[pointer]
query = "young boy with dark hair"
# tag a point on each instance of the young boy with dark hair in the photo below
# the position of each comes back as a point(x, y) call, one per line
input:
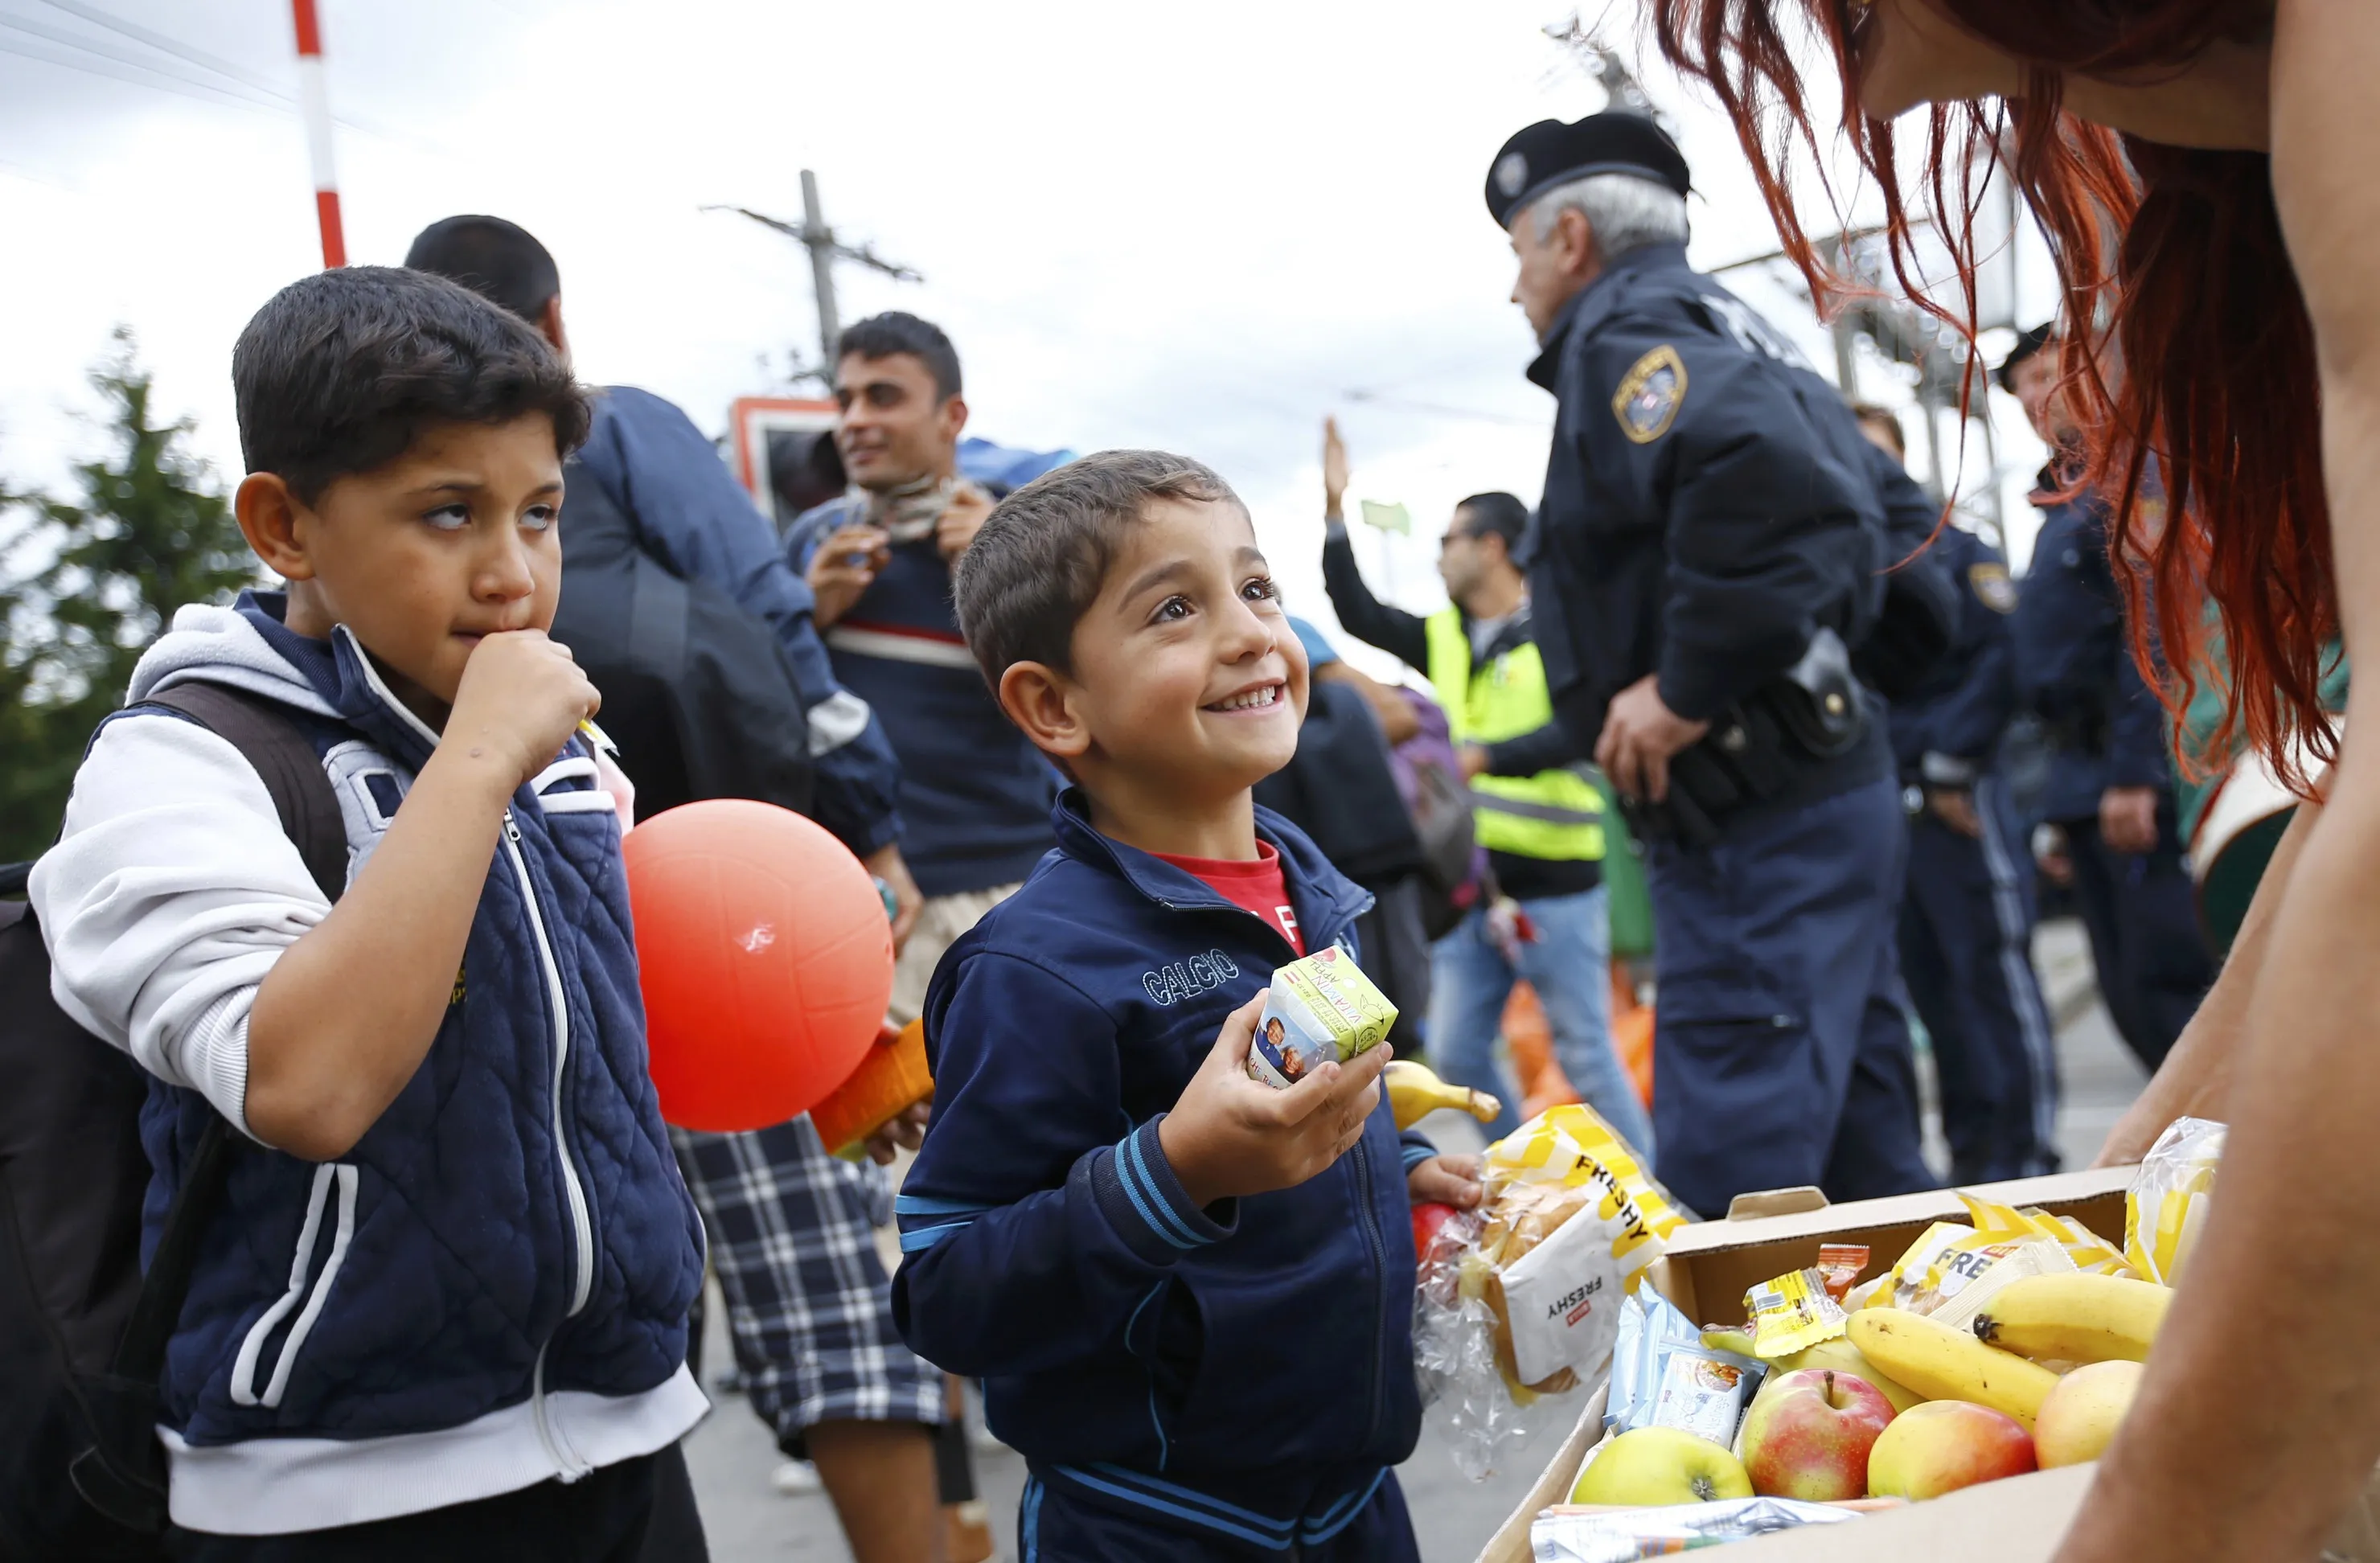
point(442, 1310)
point(1189, 1295)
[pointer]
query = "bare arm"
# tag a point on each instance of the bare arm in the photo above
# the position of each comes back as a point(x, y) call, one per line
point(2200, 1471)
point(348, 1012)
point(2195, 1079)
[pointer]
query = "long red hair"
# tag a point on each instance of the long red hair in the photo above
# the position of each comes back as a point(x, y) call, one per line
point(2187, 340)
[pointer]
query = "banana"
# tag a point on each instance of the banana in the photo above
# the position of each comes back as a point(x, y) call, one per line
point(1414, 1093)
point(1943, 1363)
point(2075, 1319)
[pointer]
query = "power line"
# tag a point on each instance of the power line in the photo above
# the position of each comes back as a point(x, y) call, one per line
point(107, 50)
point(91, 68)
point(168, 45)
point(279, 97)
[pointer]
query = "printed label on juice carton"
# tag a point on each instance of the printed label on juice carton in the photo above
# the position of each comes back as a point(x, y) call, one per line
point(1317, 1009)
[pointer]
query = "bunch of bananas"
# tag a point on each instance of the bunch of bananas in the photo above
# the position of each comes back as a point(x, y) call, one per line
point(2069, 1319)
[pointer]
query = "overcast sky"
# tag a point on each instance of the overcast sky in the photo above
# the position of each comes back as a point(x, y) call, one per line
point(1200, 227)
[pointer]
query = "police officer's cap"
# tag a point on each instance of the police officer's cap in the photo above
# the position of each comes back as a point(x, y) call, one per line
point(2028, 344)
point(1550, 153)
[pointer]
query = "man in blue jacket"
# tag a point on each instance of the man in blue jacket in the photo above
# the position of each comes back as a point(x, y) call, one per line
point(974, 795)
point(1966, 922)
point(792, 1227)
point(2110, 791)
point(1710, 551)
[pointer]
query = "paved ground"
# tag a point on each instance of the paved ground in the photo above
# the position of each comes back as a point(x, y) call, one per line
point(732, 1454)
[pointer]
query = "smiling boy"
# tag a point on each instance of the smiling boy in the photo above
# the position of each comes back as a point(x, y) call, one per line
point(1109, 1218)
point(442, 1309)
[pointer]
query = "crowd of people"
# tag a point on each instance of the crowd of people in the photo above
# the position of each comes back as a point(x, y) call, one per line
point(447, 1301)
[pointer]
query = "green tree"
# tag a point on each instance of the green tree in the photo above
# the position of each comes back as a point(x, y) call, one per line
point(86, 584)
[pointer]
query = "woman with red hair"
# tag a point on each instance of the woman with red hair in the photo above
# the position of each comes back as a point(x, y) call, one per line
point(2204, 171)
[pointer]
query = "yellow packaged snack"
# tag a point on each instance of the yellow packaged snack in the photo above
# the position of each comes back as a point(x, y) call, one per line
point(2091, 1253)
point(1572, 1219)
point(1572, 1148)
point(2167, 1204)
point(1791, 1313)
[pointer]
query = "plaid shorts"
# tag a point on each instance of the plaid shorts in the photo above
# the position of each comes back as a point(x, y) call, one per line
point(808, 1304)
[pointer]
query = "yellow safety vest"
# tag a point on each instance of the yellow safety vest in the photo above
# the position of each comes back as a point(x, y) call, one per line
point(1555, 815)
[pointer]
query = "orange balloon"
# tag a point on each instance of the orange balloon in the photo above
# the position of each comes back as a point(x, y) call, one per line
point(765, 958)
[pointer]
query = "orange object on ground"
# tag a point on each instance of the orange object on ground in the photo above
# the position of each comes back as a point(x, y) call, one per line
point(1529, 1037)
point(765, 958)
point(1632, 1033)
point(893, 1077)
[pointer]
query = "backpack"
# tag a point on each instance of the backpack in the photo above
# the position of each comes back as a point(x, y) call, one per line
point(82, 1330)
point(697, 691)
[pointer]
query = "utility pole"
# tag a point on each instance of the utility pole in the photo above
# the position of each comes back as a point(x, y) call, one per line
point(818, 239)
point(814, 236)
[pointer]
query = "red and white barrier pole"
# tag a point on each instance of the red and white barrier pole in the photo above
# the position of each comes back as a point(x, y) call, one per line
point(314, 103)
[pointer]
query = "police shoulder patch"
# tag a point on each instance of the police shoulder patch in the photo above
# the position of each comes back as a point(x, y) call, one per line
point(1992, 586)
point(1649, 395)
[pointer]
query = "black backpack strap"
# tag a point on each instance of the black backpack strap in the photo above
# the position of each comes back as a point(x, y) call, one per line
point(286, 760)
point(120, 1474)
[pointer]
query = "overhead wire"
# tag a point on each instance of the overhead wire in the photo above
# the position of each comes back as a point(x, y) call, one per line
point(177, 86)
point(256, 82)
point(169, 45)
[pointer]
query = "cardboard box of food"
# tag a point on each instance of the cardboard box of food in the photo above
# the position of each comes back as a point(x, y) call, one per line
point(1710, 1265)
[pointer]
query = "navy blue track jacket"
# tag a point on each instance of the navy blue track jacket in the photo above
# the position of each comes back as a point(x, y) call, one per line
point(1945, 730)
point(1244, 1370)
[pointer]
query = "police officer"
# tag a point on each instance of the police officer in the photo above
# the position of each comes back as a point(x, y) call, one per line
point(1966, 921)
point(1539, 817)
point(1710, 546)
point(2111, 792)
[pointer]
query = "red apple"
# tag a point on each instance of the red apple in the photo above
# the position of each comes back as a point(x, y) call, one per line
point(1809, 1433)
point(1945, 1445)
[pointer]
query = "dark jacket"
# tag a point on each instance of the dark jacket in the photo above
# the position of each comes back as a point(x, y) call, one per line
point(1945, 730)
point(1709, 505)
point(692, 518)
point(1253, 1358)
point(2074, 661)
point(974, 793)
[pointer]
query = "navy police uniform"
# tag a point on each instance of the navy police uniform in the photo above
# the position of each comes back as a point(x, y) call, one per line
point(2106, 729)
point(1966, 922)
point(1711, 515)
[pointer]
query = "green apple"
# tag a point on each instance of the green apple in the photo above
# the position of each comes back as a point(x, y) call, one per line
point(1661, 1465)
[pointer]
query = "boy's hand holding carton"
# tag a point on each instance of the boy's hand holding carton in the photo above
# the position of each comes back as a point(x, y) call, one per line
point(1230, 1135)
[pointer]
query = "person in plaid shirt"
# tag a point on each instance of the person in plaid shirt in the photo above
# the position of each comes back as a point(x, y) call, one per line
point(809, 1301)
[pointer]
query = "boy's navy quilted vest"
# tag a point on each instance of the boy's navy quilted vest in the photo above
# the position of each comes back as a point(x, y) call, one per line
point(515, 1224)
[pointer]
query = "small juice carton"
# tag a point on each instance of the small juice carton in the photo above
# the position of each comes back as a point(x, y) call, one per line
point(1317, 1009)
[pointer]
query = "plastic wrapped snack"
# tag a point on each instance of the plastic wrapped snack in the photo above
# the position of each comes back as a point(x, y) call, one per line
point(2090, 1253)
point(1568, 1224)
point(2167, 1205)
point(1792, 1313)
point(1571, 1220)
point(1666, 1373)
point(1317, 1009)
point(1564, 1535)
